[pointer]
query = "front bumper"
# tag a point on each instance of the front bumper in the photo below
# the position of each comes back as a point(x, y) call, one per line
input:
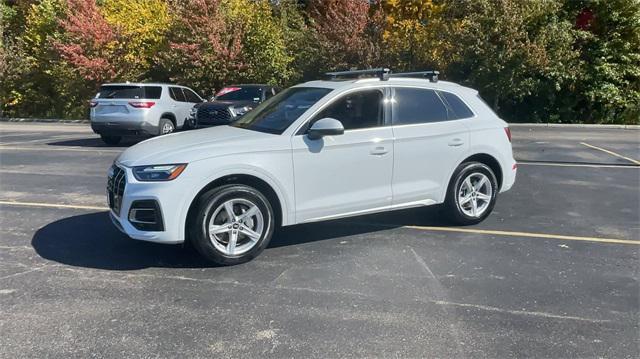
point(125, 128)
point(167, 197)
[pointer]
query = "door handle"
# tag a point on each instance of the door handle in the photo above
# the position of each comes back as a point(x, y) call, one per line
point(456, 142)
point(379, 151)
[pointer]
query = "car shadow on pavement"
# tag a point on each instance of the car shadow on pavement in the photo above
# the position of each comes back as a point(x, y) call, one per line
point(91, 240)
point(95, 142)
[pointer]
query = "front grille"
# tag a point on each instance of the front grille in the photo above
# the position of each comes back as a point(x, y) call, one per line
point(115, 187)
point(213, 115)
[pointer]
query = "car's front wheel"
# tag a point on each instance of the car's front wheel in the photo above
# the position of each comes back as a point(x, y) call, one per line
point(232, 224)
point(471, 194)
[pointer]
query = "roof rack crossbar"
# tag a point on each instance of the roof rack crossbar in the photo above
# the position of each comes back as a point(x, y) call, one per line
point(431, 75)
point(381, 72)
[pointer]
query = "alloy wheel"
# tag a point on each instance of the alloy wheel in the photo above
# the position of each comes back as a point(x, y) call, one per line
point(236, 226)
point(475, 194)
point(167, 128)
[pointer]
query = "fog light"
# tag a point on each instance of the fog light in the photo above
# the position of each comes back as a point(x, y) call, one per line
point(145, 215)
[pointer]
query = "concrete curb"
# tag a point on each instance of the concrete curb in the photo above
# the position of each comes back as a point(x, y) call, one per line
point(47, 120)
point(575, 125)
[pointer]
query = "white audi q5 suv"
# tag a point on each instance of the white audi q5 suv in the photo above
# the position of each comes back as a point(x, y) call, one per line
point(320, 150)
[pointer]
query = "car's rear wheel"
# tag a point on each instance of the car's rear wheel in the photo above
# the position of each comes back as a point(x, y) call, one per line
point(111, 140)
point(166, 126)
point(232, 224)
point(471, 194)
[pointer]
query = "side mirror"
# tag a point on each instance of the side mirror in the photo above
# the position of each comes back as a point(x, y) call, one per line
point(325, 127)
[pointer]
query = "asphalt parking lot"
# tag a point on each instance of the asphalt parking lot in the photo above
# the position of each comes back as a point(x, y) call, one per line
point(553, 272)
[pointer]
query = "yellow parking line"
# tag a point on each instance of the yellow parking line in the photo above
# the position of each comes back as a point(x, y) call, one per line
point(586, 165)
point(525, 234)
point(423, 228)
point(53, 205)
point(611, 153)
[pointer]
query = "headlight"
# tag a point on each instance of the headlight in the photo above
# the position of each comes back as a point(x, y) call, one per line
point(239, 111)
point(158, 172)
point(193, 112)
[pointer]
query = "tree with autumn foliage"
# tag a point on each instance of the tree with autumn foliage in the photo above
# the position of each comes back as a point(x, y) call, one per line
point(347, 34)
point(107, 43)
point(216, 42)
point(534, 61)
point(413, 34)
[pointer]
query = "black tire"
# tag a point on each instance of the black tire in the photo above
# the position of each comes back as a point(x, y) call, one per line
point(111, 140)
point(458, 213)
point(210, 203)
point(189, 124)
point(166, 126)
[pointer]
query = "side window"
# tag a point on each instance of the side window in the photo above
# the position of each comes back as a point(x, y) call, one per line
point(191, 96)
point(152, 92)
point(176, 94)
point(459, 108)
point(412, 106)
point(362, 109)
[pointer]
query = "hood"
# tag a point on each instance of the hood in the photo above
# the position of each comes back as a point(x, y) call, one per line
point(219, 104)
point(191, 146)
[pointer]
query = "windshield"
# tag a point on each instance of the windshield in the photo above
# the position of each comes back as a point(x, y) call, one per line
point(239, 94)
point(277, 113)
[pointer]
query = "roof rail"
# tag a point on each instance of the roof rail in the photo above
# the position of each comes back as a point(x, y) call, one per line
point(431, 75)
point(381, 72)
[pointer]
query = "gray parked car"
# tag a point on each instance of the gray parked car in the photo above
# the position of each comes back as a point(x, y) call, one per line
point(146, 109)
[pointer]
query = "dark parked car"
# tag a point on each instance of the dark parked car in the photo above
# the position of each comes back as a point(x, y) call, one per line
point(228, 104)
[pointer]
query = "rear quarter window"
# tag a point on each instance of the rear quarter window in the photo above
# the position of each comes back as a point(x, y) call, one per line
point(457, 106)
point(129, 92)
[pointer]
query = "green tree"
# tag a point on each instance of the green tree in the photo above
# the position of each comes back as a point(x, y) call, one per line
point(518, 53)
point(608, 86)
point(298, 38)
point(264, 51)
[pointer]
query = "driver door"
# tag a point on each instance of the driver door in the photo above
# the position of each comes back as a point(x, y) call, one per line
point(345, 174)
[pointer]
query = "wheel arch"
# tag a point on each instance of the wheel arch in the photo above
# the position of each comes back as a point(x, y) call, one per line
point(241, 178)
point(170, 116)
point(489, 161)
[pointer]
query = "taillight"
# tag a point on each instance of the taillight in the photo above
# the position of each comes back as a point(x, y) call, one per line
point(508, 132)
point(93, 103)
point(142, 104)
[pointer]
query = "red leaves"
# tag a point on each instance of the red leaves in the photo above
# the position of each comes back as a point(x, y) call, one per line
point(342, 30)
point(88, 36)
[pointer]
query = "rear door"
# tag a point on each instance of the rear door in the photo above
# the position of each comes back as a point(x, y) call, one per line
point(428, 144)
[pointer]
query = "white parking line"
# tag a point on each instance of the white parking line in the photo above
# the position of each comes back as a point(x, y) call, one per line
point(41, 140)
point(611, 153)
point(53, 205)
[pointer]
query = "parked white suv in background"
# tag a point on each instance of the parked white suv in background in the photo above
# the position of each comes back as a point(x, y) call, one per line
point(140, 109)
point(316, 151)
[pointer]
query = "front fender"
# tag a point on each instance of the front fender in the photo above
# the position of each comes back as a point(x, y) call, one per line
point(195, 186)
